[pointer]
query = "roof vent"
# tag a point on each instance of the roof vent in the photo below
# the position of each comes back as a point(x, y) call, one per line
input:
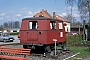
point(54, 15)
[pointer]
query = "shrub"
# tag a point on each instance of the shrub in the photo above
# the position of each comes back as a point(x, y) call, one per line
point(74, 39)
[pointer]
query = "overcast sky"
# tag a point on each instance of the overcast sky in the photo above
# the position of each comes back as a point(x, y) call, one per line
point(15, 10)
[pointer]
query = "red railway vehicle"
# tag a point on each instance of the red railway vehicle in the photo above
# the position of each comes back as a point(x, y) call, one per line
point(39, 32)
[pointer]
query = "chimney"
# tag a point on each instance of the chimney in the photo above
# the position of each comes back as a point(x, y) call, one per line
point(54, 15)
point(42, 9)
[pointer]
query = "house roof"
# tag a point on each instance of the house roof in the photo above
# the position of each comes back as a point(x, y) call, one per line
point(60, 18)
point(47, 15)
point(43, 13)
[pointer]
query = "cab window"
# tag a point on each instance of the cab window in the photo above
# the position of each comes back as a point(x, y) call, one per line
point(52, 24)
point(33, 25)
point(60, 25)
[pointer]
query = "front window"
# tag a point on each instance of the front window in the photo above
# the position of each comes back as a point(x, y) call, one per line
point(52, 24)
point(60, 25)
point(5, 34)
point(33, 25)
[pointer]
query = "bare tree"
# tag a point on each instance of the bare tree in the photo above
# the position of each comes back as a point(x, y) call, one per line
point(83, 8)
point(1, 28)
point(11, 24)
point(17, 24)
point(71, 19)
point(5, 25)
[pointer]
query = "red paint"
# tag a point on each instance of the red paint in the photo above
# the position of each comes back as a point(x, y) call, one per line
point(32, 36)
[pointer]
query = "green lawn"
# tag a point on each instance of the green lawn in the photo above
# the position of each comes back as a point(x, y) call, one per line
point(84, 52)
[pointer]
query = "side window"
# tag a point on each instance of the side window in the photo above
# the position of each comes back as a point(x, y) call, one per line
point(61, 34)
point(52, 24)
point(33, 25)
point(60, 25)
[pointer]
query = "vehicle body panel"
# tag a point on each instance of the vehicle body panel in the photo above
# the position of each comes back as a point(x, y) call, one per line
point(4, 37)
point(43, 34)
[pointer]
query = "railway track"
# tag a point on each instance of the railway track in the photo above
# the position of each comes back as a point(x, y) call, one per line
point(62, 56)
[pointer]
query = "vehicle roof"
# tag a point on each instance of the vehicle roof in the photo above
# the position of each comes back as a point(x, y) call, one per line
point(40, 18)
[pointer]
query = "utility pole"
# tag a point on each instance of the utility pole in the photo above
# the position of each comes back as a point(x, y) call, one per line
point(79, 29)
point(84, 30)
point(88, 1)
point(88, 30)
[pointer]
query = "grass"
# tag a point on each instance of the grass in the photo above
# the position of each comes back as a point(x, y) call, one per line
point(84, 52)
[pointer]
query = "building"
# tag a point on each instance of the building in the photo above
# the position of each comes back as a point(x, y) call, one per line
point(67, 27)
point(11, 30)
point(77, 29)
point(44, 13)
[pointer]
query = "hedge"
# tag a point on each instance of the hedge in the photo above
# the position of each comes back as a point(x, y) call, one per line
point(14, 33)
point(74, 39)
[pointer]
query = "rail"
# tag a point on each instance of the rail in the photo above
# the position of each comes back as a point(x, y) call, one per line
point(12, 57)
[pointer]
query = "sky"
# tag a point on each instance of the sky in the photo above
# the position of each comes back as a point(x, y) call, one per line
point(16, 10)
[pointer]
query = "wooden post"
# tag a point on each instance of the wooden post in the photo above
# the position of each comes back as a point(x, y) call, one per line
point(79, 29)
point(84, 22)
point(55, 40)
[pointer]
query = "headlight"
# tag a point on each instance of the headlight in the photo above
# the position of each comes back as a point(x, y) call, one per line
point(11, 38)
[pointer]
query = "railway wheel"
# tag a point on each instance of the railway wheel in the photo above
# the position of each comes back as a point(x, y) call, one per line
point(63, 46)
point(48, 49)
point(39, 50)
